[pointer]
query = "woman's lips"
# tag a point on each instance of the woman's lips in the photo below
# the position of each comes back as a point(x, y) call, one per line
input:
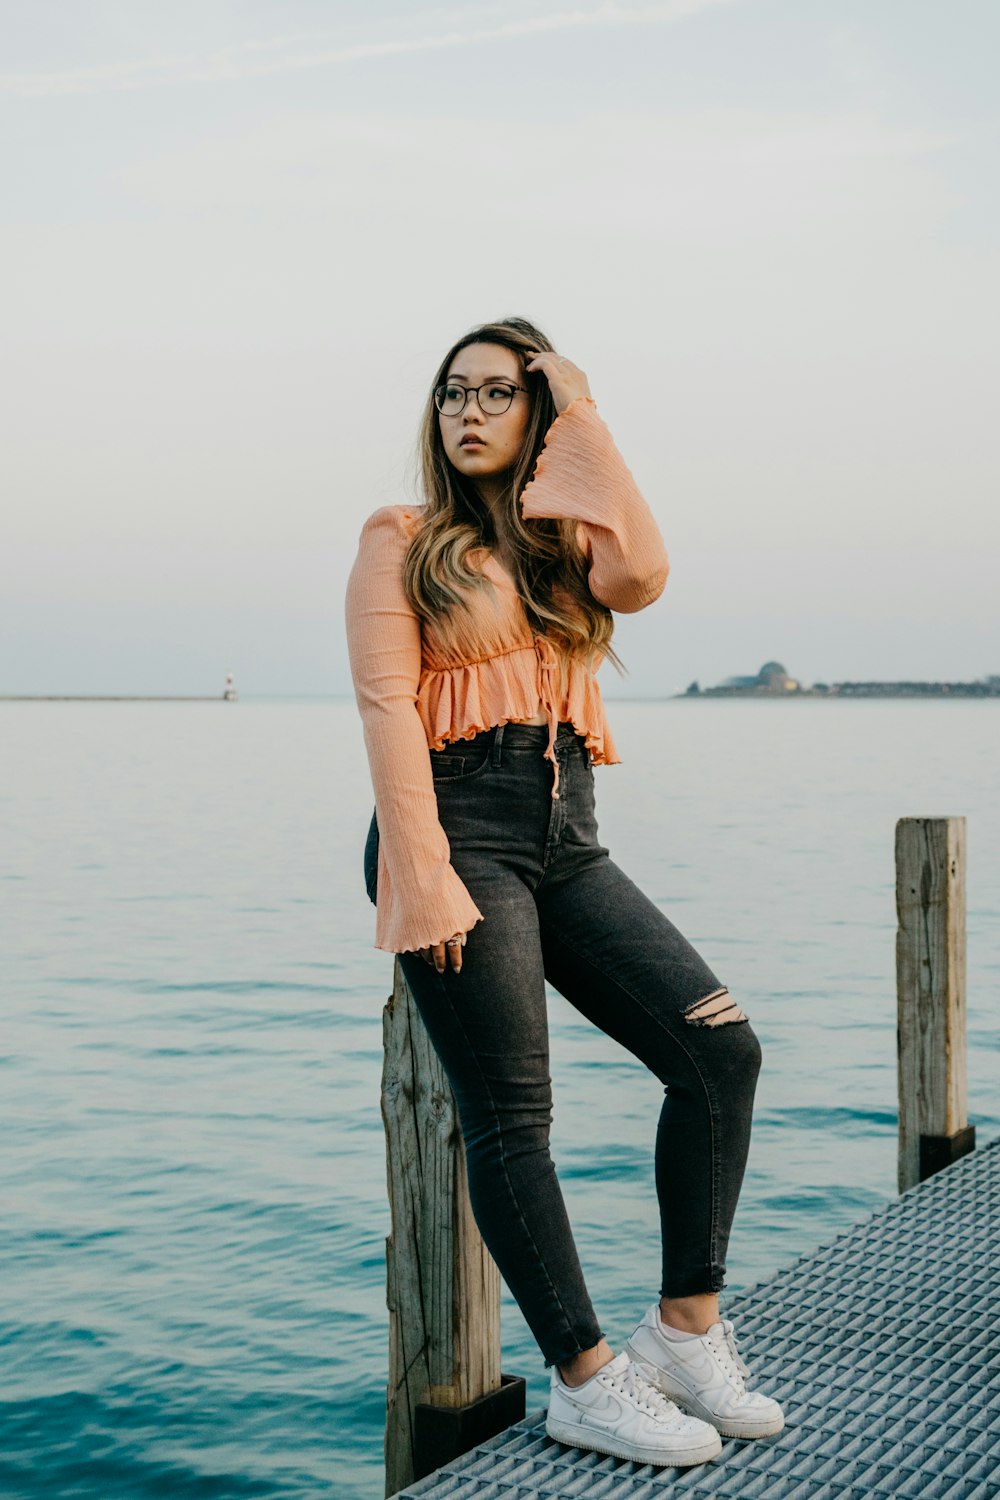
point(472, 443)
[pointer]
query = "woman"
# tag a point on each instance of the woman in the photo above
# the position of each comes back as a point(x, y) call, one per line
point(476, 623)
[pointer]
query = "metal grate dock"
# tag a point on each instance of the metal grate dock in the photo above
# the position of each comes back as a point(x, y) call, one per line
point(882, 1346)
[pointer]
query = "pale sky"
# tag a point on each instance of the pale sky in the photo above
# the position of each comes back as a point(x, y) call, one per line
point(239, 237)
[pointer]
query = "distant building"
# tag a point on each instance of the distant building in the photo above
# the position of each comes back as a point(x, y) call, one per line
point(771, 679)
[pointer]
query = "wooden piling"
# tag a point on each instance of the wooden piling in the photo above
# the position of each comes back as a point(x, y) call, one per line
point(442, 1285)
point(930, 996)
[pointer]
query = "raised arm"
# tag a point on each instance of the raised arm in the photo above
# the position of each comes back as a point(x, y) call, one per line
point(580, 475)
point(421, 899)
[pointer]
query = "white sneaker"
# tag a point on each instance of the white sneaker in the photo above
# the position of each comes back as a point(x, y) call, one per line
point(705, 1376)
point(617, 1411)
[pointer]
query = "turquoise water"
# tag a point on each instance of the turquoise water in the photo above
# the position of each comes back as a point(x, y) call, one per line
point(193, 1294)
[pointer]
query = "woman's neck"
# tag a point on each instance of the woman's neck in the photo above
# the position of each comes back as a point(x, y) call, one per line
point(493, 490)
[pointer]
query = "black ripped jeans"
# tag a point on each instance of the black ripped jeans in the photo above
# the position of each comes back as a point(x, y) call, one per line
point(558, 908)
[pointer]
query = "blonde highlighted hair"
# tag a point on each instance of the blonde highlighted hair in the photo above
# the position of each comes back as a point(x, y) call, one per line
point(548, 568)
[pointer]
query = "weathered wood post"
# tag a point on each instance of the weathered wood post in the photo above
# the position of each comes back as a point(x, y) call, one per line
point(930, 995)
point(445, 1391)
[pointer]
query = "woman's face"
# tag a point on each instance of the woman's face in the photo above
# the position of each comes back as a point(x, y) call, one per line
point(478, 444)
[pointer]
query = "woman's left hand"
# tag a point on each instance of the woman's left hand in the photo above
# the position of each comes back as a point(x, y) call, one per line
point(566, 380)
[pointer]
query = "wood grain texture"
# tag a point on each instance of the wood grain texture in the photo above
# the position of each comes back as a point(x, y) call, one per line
point(930, 984)
point(442, 1285)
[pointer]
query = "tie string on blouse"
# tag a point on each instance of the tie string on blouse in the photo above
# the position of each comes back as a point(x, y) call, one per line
point(548, 661)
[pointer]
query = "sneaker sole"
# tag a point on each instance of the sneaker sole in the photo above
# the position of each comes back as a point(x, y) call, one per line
point(727, 1426)
point(578, 1435)
point(768, 1427)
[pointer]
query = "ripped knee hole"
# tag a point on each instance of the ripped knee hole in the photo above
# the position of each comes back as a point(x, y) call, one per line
point(716, 1009)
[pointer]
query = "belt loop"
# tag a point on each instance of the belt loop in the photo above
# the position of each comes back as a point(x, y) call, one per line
point(495, 759)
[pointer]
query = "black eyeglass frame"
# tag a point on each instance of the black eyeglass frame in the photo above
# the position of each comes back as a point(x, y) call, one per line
point(474, 390)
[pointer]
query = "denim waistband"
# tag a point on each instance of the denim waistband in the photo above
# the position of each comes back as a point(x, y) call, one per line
point(520, 734)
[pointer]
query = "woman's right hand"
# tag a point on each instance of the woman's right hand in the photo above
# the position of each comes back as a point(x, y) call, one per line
point(445, 952)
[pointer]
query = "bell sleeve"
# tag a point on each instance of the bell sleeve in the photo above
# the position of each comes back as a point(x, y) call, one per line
point(580, 475)
point(421, 899)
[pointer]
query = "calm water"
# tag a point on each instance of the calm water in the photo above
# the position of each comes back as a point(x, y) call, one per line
point(192, 1279)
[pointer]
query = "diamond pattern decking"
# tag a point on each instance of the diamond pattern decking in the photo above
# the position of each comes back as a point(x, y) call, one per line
point(882, 1346)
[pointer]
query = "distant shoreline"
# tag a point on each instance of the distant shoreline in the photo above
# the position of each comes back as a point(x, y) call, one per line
point(113, 698)
point(843, 693)
point(772, 681)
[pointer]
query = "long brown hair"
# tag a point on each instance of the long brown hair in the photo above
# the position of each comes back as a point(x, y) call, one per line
point(548, 568)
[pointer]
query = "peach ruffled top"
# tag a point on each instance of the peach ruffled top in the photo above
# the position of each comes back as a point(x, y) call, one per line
point(414, 695)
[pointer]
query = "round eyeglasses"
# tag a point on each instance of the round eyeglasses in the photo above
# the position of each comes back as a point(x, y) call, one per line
point(494, 397)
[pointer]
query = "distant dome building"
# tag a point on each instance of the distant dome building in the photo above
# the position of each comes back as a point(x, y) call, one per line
point(772, 681)
point(773, 678)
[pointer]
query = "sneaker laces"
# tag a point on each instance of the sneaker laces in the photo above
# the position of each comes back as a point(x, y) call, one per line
point(632, 1382)
point(722, 1340)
